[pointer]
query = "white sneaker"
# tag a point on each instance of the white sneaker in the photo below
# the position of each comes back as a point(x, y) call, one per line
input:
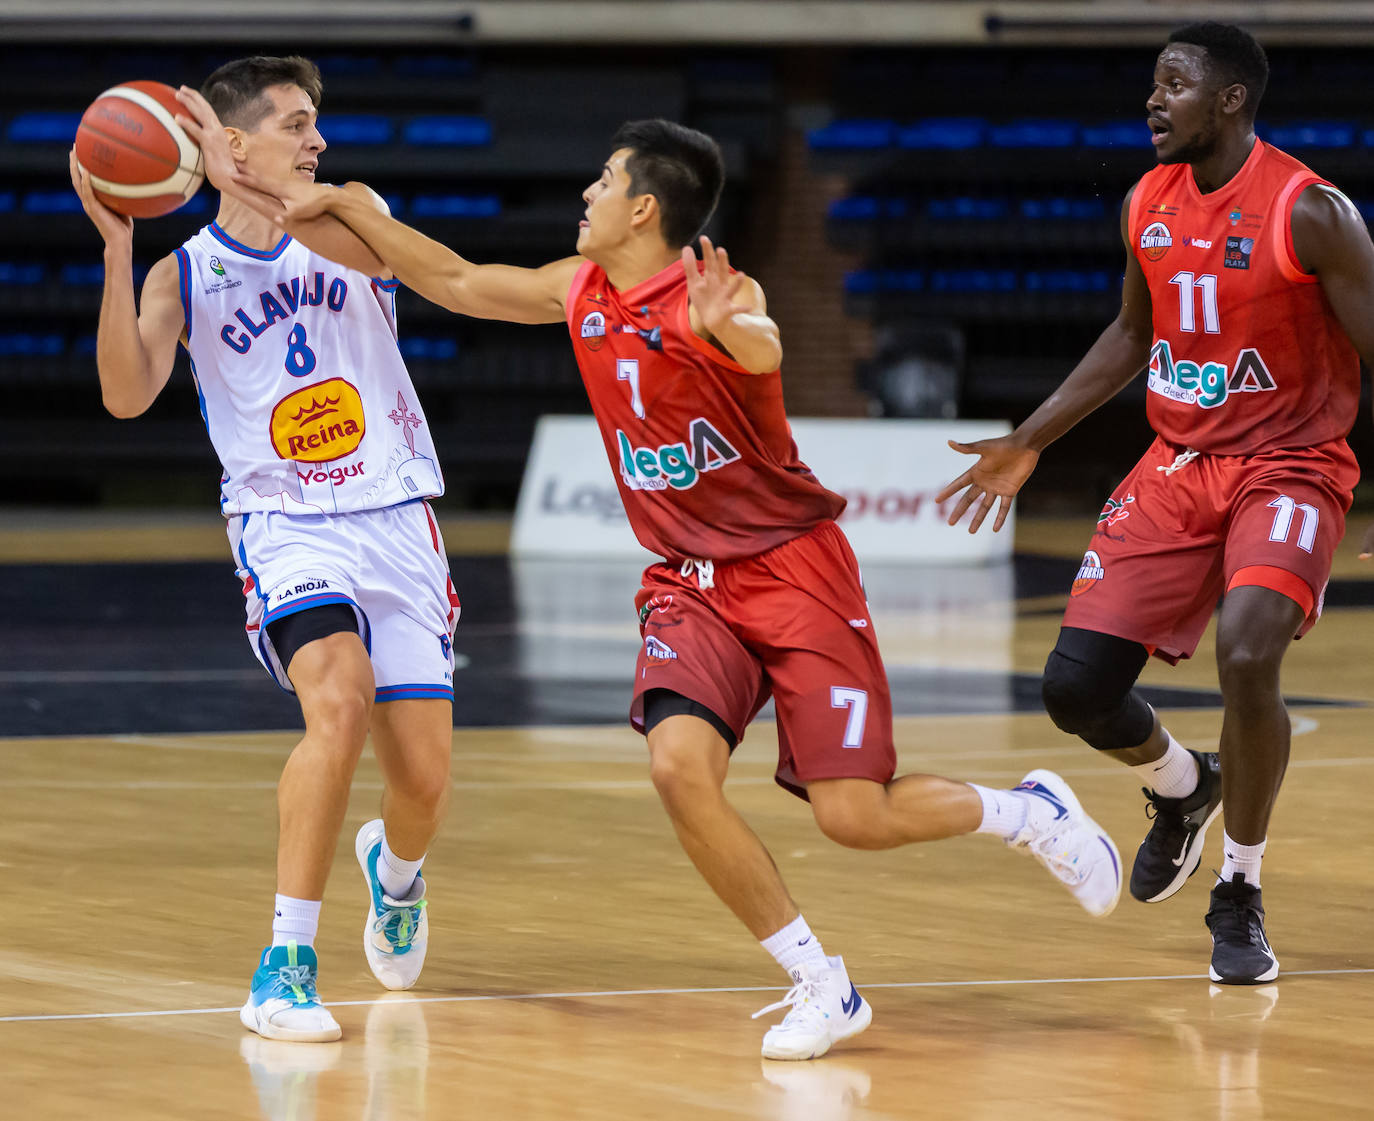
point(1077, 851)
point(826, 1008)
point(283, 1002)
point(396, 931)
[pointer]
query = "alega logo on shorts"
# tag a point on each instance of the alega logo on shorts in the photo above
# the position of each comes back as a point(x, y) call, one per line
point(1207, 385)
point(672, 465)
point(1089, 573)
point(318, 423)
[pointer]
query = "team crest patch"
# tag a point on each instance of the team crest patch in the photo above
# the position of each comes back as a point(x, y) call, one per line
point(1089, 573)
point(594, 329)
point(319, 423)
point(1155, 240)
point(658, 650)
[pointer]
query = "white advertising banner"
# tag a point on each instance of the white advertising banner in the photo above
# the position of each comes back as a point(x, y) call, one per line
point(889, 470)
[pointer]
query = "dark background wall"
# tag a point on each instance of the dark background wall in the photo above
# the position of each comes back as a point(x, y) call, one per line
point(936, 229)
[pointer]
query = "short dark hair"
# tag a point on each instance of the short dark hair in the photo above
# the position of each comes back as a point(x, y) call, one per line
point(236, 91)
point(1236, 56)
point(680, 167)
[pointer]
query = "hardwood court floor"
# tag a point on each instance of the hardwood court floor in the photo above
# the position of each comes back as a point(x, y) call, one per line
point(580, 969)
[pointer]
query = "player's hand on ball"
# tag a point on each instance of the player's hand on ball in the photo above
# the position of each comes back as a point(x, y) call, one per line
point(112, 226)
point(1003, 466)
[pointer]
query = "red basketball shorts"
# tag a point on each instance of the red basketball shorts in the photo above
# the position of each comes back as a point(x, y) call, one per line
point(791, 623)
point(1168, 546)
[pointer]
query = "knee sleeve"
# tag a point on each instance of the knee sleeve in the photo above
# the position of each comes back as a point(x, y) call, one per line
point(1087, 689)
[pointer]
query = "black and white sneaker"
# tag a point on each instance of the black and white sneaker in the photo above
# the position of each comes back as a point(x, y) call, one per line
point(1240, 951)
point(1172, 849)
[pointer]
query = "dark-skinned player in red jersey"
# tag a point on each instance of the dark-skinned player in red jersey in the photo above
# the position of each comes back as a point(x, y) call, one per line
point(758, 593)
point(1249, 299)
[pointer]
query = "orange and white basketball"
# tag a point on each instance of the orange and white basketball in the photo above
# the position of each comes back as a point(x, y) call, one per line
point(140, 160)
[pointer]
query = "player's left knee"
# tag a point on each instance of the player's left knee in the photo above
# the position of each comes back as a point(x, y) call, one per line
point(848, 820)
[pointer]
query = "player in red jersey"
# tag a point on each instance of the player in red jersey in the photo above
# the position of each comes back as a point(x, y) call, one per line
point(1249, 295)
point(758, 593)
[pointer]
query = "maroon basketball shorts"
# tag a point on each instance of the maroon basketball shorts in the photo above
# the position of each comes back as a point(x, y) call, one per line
point(1168, 545)
point(791, 623)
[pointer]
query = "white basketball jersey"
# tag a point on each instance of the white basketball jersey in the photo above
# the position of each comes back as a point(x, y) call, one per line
point(302, 386)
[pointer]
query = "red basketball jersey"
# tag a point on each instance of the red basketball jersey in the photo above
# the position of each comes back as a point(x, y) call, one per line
point(701, 447)
point(1248, 355)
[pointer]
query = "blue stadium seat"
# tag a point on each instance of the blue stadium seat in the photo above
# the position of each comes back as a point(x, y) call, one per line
point(85, 345)
point(861, 282)
point(52, 202)
point(977, 209)
point(448, 132)
point(43, 128)
point(434, 66)
point(349, 65)
point(853, 135)
point(868, 208)
point(1063, 209)
point(82, 276)
point(1034, 134)
point(901, 280)
point(24, 273)
point(944, 133)
point(420, 347)
point(359, 129)
point(1311, 134)
point(8, 201)
point(455, 206)
point(1117, 134)
point(23, 344)
point(1067, 280)
point(973, 280)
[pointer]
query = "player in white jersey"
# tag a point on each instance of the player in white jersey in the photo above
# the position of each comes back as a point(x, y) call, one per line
point(327, 464)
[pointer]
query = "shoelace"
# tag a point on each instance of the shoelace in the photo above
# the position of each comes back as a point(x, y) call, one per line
point(804, 999)
point(1241, 920)
point(406, 920)
point(705, 572)
point(1052, 852)
point(1181, 461)
point(297, 978)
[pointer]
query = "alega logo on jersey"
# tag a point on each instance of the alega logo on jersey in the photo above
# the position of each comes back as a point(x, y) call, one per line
point(1207, 385)
point(318, 423)
point(674, 465)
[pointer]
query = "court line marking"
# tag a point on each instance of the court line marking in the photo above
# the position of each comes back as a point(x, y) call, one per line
point(668, 992)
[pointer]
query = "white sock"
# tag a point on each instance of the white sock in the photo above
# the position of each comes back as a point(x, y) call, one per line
point(794, 947)
point(295, 920)
point(1174, 774)
point(396, 875)
point(1004, 811)
point(1244, 859)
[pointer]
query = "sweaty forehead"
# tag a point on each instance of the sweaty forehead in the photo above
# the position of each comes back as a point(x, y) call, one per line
point(1185, 59)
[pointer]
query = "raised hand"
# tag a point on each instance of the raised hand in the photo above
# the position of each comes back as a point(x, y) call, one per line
point(712, 288)
point(113, 226)
point(203, 126)
point(1003, 466)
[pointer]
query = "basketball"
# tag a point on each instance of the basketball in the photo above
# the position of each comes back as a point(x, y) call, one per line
point(140, 160)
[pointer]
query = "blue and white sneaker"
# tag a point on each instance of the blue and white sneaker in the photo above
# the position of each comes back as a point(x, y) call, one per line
point(396, 931)
point(825, 1008)
point(1076, 850)
point(283, 1003)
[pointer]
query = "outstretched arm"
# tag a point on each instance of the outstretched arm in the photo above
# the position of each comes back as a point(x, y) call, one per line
point(440, 275)
point(1119, 354)
point(1332, 241)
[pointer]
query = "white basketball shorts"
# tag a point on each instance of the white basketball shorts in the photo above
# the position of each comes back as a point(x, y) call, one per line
point(389, 565)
